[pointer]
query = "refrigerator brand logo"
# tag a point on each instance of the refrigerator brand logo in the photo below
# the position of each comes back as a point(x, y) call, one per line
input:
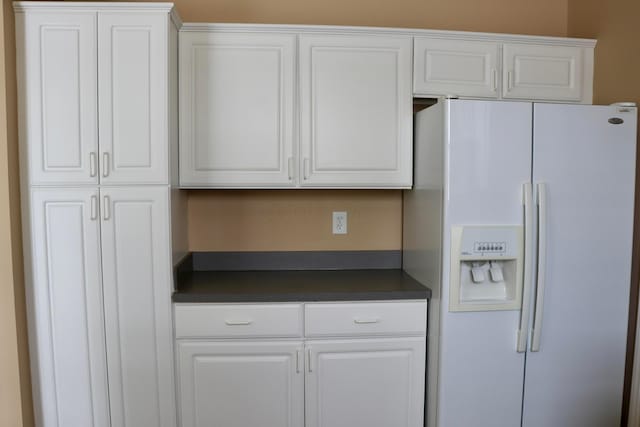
point(616, 121)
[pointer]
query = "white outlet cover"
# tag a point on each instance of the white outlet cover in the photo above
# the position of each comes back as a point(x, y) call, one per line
point(339, 223)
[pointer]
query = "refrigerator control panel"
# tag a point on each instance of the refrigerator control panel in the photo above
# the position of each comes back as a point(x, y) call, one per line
point(489, 247)
point(486, 267)
point(483, 242)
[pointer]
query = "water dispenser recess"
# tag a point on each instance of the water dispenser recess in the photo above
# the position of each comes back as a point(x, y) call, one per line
point(486, 268)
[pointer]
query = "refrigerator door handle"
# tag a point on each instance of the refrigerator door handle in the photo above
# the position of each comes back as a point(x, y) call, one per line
point(541, 190)
point(521, 346)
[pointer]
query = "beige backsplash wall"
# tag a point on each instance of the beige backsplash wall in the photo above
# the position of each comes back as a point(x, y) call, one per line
point(293, 220)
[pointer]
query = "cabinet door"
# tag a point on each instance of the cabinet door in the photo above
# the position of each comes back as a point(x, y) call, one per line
point(133, 96)
point(137, 290)
point(356, 111)
point(542, 72)
point(455, 67)
point(67, 325)
point(365, 383)
point(236, 109)
point(241, 384)
point(58, 105)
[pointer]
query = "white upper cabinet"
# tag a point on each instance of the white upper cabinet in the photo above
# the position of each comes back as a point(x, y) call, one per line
point(543, 72)
point(132, 93)
point(476, 65)
point(331, 107)
point(262, 109)
point(455, 67)
point(93, 94)
point(237, 109)
point(355, 111)
point(57, 74)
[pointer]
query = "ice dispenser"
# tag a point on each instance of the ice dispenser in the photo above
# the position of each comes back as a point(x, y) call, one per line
point(486, 268)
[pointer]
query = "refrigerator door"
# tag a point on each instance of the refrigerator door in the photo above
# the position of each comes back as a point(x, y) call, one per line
point(587, 165)
point(487, 161)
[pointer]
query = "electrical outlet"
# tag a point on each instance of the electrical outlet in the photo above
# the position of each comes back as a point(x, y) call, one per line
point(339, 223)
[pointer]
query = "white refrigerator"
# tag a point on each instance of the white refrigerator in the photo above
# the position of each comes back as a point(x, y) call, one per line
point(521, 222)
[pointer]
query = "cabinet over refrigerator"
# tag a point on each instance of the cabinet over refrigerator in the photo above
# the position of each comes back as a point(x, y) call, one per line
point(521, 221)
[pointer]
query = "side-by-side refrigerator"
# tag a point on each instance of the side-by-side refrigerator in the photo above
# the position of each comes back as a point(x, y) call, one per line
point(521, 222)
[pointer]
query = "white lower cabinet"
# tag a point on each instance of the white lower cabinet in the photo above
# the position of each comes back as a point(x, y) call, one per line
point(241, 384)
point(365, 382)
point(68, 356)
point(136, 259)
point(99, 291)
point(260, 380)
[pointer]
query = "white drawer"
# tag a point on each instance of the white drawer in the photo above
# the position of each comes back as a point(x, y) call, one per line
point(238, 320)
point(383, 318)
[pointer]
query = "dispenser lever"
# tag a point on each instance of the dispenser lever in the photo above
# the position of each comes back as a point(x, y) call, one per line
point(477, 274)
point(496, 273)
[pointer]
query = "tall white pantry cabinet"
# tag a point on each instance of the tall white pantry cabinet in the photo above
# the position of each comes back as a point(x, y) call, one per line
point(96, 131)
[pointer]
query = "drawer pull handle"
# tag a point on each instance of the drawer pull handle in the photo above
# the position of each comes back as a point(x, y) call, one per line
point(365, 321)
point(105, 164)
point(238, 322)
point(93, 164)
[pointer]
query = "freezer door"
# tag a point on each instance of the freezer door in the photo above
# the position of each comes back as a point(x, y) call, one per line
point(487, 161)
point(586, 162)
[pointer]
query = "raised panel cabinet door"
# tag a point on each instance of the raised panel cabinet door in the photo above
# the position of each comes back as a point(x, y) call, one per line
point(356, 111)
point(136, 257)
point(542, 72)
point(455, 67)
point(365, 383)
point(241, 384)
point(57, 81)
point(133, 97)
point(236, 109)
point(68, 356)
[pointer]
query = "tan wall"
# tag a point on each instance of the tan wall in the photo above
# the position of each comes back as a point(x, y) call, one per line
point(293, 220)
point(617, 78)
point(617, 63)
point(15, 388)
point(244, 221)
point(544, 17)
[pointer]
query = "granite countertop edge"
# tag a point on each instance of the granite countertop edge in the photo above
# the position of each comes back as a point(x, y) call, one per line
point(294, 285)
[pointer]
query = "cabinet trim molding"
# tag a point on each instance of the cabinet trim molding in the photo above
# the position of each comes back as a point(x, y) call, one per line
point(57, 6)
point(412, 32)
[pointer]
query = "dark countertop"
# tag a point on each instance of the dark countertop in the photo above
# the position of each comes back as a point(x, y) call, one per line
point(290, 285)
